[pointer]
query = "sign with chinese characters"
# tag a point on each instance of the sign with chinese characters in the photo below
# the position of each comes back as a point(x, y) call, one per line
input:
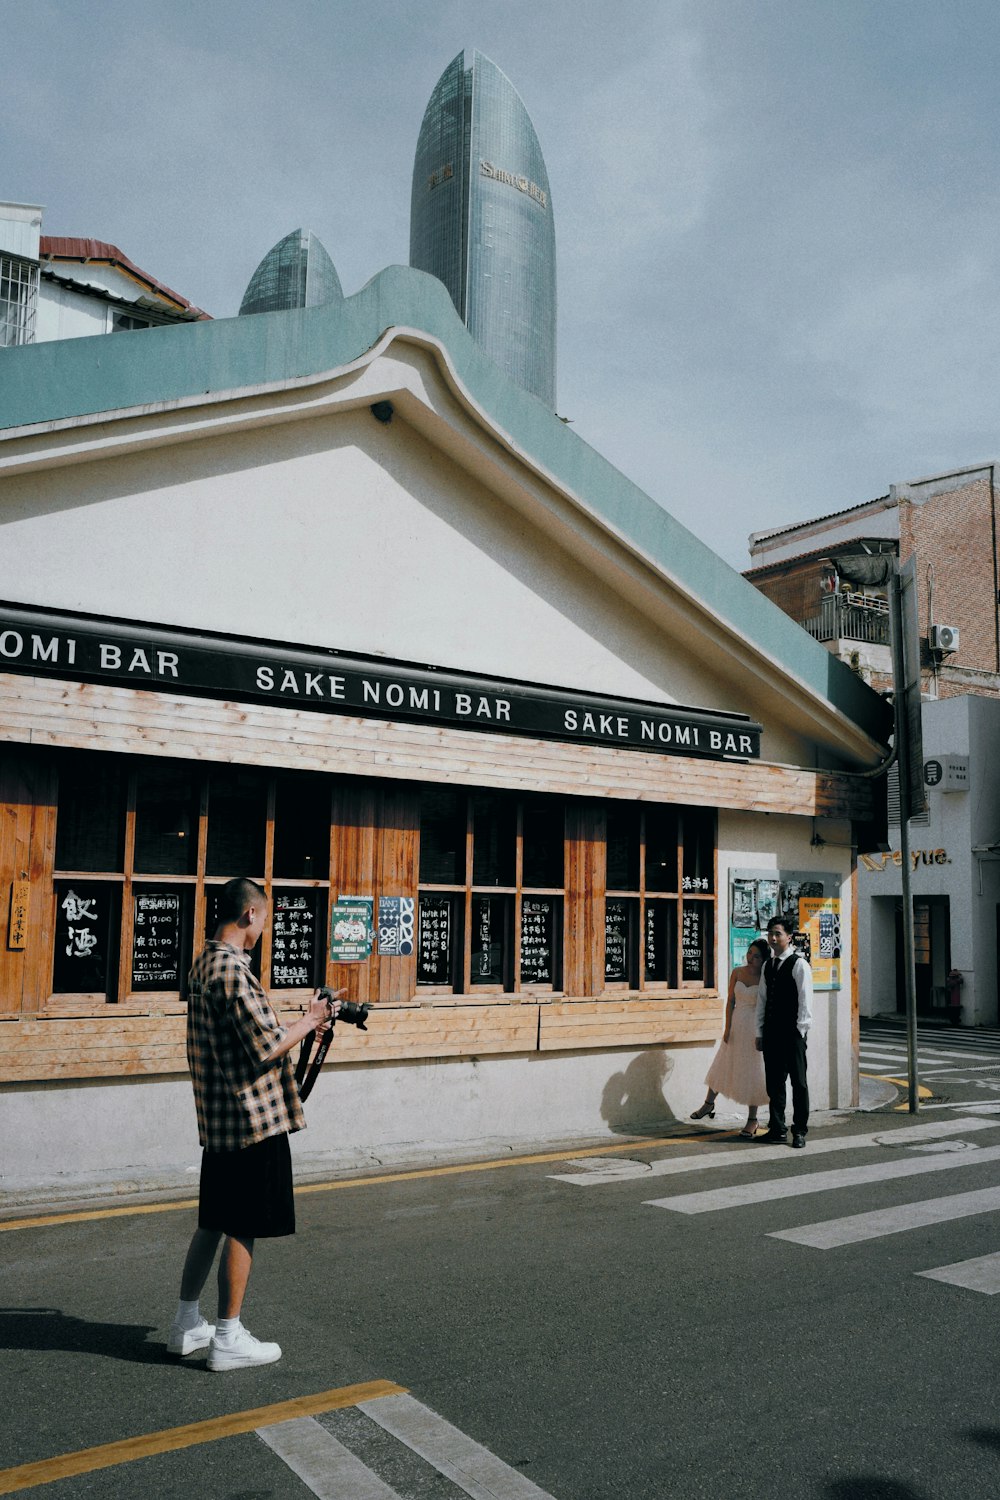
point(156, 940)
point(434, 955)
point(293, 940)
point(83, 926)
point(17, 927)
point(538, 940)
point(160, 660)
point(488, 939)
point(693, 918)
point(819, 918)
point(395, 926)
point(616, 944)
point(352, 930)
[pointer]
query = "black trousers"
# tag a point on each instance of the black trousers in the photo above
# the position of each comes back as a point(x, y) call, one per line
point(784, 1058)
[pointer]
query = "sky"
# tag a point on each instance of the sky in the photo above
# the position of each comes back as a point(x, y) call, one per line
point(777, 221)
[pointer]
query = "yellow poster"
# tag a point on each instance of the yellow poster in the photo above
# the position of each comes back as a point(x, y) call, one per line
point(819, 919)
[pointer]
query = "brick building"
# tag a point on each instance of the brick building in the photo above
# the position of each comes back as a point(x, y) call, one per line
point(828, 574)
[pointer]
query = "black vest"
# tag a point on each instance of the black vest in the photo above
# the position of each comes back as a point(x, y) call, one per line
point(781, 1004)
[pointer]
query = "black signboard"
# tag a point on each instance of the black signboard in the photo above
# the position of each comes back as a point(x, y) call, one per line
point(156, 940)
point(86, 919)
point(661, 942)
point(539, 940)
point(489, 923)
point(293, 940)
point(83, 648)
point(434, 944)
point(694, 935)
point(616, 942)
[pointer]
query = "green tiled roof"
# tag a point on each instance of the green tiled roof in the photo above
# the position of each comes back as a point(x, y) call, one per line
point(51, 382)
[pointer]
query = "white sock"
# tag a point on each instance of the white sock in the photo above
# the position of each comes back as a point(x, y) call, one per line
point(227, 1328)
point(187, 1314)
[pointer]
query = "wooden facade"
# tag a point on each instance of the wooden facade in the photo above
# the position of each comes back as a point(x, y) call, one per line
point(370, 775)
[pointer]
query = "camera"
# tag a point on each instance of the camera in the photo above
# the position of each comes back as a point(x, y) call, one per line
point(354, 1015)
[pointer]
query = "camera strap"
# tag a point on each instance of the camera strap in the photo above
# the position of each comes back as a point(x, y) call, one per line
point(306, 1073)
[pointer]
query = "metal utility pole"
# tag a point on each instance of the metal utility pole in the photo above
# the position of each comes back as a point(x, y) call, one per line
point(909, 758)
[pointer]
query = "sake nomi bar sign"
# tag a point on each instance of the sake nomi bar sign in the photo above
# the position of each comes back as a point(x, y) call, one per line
point(85, 649)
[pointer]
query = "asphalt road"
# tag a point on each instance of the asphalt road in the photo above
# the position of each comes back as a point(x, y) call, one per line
point(590, 1340)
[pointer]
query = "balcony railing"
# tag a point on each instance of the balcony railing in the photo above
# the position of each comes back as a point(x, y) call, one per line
point(842, 618)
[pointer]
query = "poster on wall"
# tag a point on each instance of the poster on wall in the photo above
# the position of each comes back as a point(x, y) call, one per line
point(352, 929)
point(806, 899)
point(820, 919)
point(395, 926)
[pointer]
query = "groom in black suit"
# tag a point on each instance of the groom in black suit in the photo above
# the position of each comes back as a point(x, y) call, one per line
point(784, 1015)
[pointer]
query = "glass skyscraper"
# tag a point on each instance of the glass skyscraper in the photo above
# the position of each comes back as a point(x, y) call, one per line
point(481, 219)
point(296, 272)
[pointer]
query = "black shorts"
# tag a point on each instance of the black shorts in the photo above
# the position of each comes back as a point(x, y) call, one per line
point(248, 1193)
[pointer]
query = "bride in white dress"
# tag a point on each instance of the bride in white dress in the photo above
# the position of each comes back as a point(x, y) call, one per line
point(737, 1069)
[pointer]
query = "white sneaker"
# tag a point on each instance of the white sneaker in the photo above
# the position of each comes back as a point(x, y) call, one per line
point(187, 1340)
point(241, 1350)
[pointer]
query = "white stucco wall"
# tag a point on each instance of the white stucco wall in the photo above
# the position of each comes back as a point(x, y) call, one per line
point(345, 534)
point(943, 864)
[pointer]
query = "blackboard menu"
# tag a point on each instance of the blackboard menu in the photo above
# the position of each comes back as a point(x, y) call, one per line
point(84, 913)
point(488, 924)
point(434, 942)
point(616, 943)
point(693, 933)
point(293, 940)
point(156, 940)
point(661, 942)
point(538, 940)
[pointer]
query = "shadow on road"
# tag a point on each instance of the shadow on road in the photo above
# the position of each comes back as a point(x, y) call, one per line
point(48, 1328)
point(988, 1436)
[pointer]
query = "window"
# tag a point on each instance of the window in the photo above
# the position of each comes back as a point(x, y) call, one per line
point(492, 892)
point(18, 300)
point(659, 909)
point(142, 849)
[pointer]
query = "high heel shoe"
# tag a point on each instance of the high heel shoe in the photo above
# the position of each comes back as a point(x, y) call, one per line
point(706, 1109)
point(749, 1130)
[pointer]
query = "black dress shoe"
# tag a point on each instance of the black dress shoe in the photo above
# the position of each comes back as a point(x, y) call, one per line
point(798, 1141)
point(774, 1138)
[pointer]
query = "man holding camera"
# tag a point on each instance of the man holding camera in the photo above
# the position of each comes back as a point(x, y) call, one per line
point(248, 1104)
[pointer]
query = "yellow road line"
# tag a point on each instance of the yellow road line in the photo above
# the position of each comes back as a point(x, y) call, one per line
point(82, 1215)
point(86, 1460)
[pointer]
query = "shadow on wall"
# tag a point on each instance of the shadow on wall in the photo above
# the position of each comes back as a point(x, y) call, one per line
point(633, 1099)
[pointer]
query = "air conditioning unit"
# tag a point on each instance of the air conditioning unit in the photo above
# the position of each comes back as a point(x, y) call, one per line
point(943, 638)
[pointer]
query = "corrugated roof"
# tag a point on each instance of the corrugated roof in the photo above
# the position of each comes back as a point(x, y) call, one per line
point(61, 247)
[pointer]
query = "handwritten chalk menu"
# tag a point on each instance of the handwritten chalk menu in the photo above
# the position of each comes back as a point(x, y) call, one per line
point(156, 940)
point(538, 940)
point(693, 933)
point(661, 918)
point(293, 940)
point(488, 930)
point(616, 944)
point(212, 922)
point(83, 929)
point(434, 941)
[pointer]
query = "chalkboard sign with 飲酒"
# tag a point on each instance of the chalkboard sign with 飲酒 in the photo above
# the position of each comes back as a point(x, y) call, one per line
point(85, 911)
point(293, 940)
point(156, 940)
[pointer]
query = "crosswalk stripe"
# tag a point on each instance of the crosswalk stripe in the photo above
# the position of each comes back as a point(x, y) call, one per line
point(982, 1274)
point(476, 1471)
point(667, 1166)
point(712, 1199)
point(328, 1469)
point(855, 1228)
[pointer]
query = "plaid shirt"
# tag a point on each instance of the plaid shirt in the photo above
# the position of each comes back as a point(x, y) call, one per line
point(241, 1093)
